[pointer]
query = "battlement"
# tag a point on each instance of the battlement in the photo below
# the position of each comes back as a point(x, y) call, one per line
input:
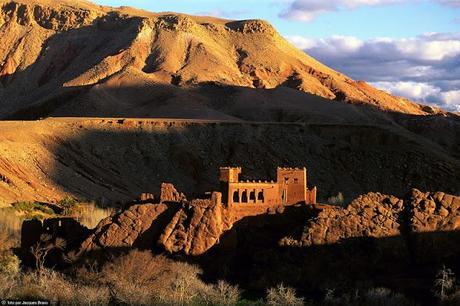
point(292, 169)
point(290, 188)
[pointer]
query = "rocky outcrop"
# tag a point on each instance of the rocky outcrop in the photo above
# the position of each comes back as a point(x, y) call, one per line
point(196, 228)
point(371, 215)
point(168, 193)
point(376, 215)
point(135, 227)
point(58, 17)
point(175, 225)
point(434, 211)
point(193, 227)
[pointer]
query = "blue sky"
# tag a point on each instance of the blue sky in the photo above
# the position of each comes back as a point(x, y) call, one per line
point(408, 47)
point(389, 20)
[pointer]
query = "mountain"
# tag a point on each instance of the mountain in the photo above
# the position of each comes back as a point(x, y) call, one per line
point(236, 93)
point(75, 58)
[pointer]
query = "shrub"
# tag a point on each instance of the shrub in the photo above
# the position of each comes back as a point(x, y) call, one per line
point(5, 240)
point(54, 286)
point(68, 202)
point(444, 283)
point(283, 296)
point(226, 294)
point(42, 248)
point(336, 200)
point(9, 263)
point(32, 207)
point(384, 297)
point(143, 279)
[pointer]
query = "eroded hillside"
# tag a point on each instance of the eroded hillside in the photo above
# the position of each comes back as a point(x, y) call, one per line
point(79, 59)
point(117, 159)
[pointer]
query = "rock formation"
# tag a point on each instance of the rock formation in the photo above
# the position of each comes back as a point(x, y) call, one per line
point(377, 215)
point(193, 227)
point(175, 224)
point(371, 215)
point(76, 58)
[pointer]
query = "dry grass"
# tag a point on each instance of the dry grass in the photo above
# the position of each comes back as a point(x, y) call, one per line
point(10, 228)
point(56, 287)
point(89, 214)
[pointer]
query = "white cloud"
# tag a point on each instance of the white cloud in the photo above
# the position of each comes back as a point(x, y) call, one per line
point(425, 68)
point(224, 13)
point(307, 10)
point(423, 92)
point(411, 90)
point(451, 3)
point(452, 99)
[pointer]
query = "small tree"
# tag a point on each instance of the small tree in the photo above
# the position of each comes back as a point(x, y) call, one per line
point(42, 248)
point(444, 282)
point(283, 296)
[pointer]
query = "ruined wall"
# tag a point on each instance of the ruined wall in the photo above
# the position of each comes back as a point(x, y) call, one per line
point(311, 196)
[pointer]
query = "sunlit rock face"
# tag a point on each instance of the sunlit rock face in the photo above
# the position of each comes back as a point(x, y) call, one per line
point(96, 57)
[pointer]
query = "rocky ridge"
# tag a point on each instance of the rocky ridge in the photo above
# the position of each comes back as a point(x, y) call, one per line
point(194, 227)
point(46, 53)
point(376, 215)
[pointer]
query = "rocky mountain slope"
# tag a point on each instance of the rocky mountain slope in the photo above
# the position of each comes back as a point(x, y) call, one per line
point(66, 58)
point(115, 160)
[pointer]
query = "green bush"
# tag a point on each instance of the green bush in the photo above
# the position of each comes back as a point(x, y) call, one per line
point(32, 207)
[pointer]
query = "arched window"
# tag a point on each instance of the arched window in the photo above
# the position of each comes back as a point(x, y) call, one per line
point(236, 197)
point(260, 196)
point(252, 196)
point(244, 197)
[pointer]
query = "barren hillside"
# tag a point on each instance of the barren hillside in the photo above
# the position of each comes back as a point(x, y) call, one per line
point(74, 58)
point(272, 105)
point(116, 159)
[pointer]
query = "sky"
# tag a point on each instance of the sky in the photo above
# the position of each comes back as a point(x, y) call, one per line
point(410, 48)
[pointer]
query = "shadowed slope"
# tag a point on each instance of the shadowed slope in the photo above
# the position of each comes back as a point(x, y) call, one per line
point(118, 159)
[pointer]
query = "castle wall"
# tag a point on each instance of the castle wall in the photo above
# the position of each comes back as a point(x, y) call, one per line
point(229, 174)
point(243, 193)
point(292, 185)
point(290, 188)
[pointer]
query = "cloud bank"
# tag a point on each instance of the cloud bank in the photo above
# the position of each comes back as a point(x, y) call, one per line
point(425, 68)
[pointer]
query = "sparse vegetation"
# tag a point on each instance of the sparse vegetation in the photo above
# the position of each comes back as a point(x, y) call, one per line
point(9, 263)
point(90, 214)
point(43, 247)
point(444, 283)
point(282, 295)
point(137, 278)
point(336, 200)
point(33, 208)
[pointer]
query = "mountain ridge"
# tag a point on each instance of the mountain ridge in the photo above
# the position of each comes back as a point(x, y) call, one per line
point(52, 48)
